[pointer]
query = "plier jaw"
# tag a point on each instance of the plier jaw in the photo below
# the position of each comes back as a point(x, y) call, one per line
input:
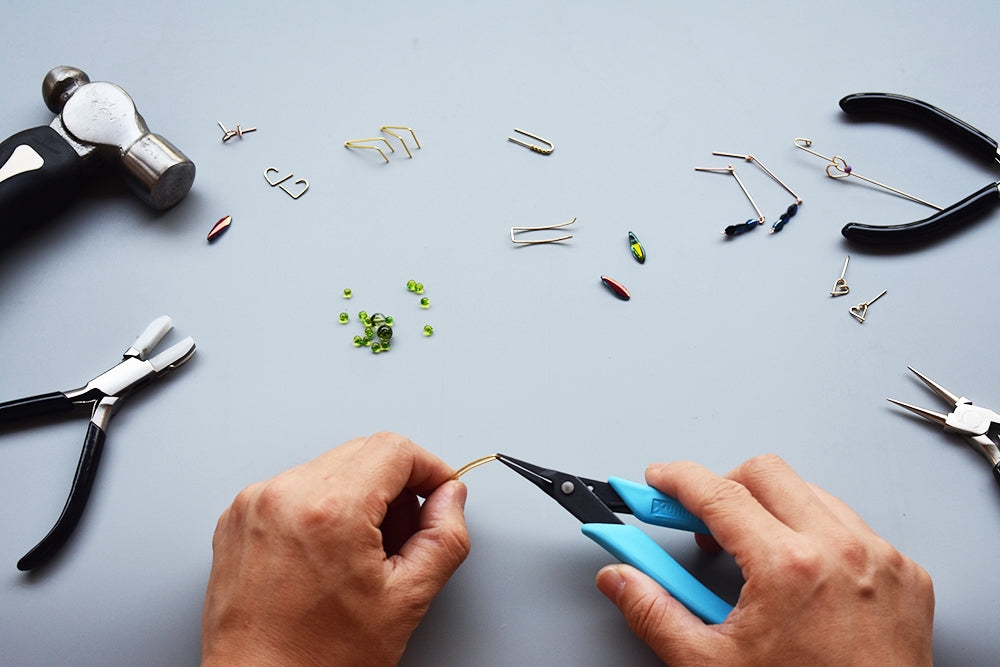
point(577, 495)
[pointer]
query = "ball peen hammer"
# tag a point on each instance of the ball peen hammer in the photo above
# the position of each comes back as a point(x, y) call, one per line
point(96, 126)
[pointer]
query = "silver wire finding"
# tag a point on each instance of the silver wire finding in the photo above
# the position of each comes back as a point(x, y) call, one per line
point(360, 143)
point(842, 170)
point(535, 229)
point(840, 287)
point(387, 128)
point(859, 311)
point(537, 149)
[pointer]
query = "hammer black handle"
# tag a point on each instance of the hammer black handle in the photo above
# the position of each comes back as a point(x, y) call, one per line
point(39, 174)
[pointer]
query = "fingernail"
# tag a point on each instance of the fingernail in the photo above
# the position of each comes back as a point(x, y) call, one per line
point(611, 582)
point(655, 467)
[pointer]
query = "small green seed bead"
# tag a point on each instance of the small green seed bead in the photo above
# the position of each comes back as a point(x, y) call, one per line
point(425, 302)
point(388, 320)
point(384, 332)
point(411, 285)
point(358, 341)
point(344, 318)
point(385, 346)
point(378, 319)
point(362, 315)
point(376, 347)
point(347, 292)
point(369, 333)
point(428, 330)
point(419, 289)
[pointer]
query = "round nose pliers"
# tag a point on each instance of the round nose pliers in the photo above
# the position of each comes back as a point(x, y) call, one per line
point(103, 395)
point(979, 144)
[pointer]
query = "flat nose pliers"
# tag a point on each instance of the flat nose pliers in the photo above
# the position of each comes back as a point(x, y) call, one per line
point(103, 395)
point(974, 422)
point(596, 503)
point(948, 219)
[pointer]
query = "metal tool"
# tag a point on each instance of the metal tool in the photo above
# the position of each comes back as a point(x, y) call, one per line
point(975, 423)
point(949, 218)
point(596, 503)
point(96, 125)
point(103, 395)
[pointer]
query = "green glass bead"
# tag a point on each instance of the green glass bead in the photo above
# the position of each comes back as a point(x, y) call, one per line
point(388, 320)
point(378, 319)
point(362, 315)
point(347, 292)
point(344, 318)
point(384, 332)
point(376, 347)
point(419, 289)
point(425, 302)
point(358, 341)
point(369, 333)
point(411, 285)
point(385, 346)
point(428, 330)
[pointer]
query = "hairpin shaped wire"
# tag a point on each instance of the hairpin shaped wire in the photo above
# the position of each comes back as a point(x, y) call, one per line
point(735, 230)
point(537, 149)
point(791, 210)
point(535, 229)
point(475, 464)
point(387, 128)
point(361, 143)
point(843, 170)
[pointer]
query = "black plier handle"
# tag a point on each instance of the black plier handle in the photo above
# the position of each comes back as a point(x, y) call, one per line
point(977, 142)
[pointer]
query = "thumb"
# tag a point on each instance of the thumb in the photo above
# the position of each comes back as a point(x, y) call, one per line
point(441, 542)
point(657, 617)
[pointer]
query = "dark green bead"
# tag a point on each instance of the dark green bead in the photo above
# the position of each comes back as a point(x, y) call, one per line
point(425, 302)
point(384, 332)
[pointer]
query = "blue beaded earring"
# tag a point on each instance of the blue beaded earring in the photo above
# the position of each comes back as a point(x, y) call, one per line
point(736, 230)
point(791, 210)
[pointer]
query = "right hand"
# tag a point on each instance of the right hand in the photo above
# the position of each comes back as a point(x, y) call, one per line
point(821, 587)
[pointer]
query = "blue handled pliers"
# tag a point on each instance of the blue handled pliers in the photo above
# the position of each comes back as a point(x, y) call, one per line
point(596, 503)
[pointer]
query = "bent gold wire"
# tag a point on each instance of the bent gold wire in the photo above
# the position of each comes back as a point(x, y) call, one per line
point(359, 143)
point(387, 128)
point(469, 466)
point(535, 229)
point(537, 149)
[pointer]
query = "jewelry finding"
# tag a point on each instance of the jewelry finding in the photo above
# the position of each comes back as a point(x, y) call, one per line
point(386, 128)
point(843, 170)
point(238, 132)
point(616, 288)
point(535, 229)
point(221, 226)
point(637, 250)
point(736, 230)
point(859, 311)
point(840, 287)
point(360, 143)
point(791, 210)
point(469, 466)
point(300, 181)
point(537, 149)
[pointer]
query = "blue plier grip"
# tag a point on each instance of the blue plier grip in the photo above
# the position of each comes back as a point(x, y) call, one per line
point(632, 546)
point(655, 508)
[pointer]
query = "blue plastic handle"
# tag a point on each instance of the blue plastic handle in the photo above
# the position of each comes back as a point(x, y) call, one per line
point(652, 507)
point(631, 545)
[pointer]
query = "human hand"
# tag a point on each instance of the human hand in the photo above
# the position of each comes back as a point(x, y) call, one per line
point(334, 561)
point(821, 587)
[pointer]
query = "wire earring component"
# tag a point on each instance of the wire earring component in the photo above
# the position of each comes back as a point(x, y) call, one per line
point(543, 227)
point(361, 143)
point(288, 192)
point(842, 170)
point(469, 466)
point(791, 210)
point(860, 311)
point(387, 128)
point(736, 230)
point(537, 149)
point(840, 287)
point(238, 132)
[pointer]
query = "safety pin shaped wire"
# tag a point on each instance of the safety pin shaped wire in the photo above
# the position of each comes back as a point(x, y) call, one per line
point(537, 149)
point(360, 143)
point(513, 230)
point(736, 230)
point(791, 210)
point(387, 128)
point(839, 165)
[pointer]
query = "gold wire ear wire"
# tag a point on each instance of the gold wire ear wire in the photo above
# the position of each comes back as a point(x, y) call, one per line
point(475, 464)
point(860, 311)
point(535, 229)
point(360, 143)
point(537, 149)
point(386, 128)
point(735, 230)
point(791, 210)
point(840, 287)
point(843, 170)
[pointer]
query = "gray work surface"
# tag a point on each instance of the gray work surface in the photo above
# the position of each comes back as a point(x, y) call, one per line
point(728, 348)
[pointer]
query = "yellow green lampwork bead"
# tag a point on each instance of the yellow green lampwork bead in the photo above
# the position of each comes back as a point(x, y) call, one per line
point(347, 292)
point(419, 288)
point(358, 341)
point(343, 318)
point(388, 320)
point(376, 347)
point(411, 285)
point(362, 315)
point(425, 302)
point(428, 330)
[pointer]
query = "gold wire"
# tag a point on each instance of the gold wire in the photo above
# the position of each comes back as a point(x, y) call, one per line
point(358, 143)
point(386, 128)
point(475, 464)
point(732, 172)
point(537, 149)
point(514, 230)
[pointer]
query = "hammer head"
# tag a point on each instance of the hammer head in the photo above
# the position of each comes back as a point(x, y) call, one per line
point(102, 115)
